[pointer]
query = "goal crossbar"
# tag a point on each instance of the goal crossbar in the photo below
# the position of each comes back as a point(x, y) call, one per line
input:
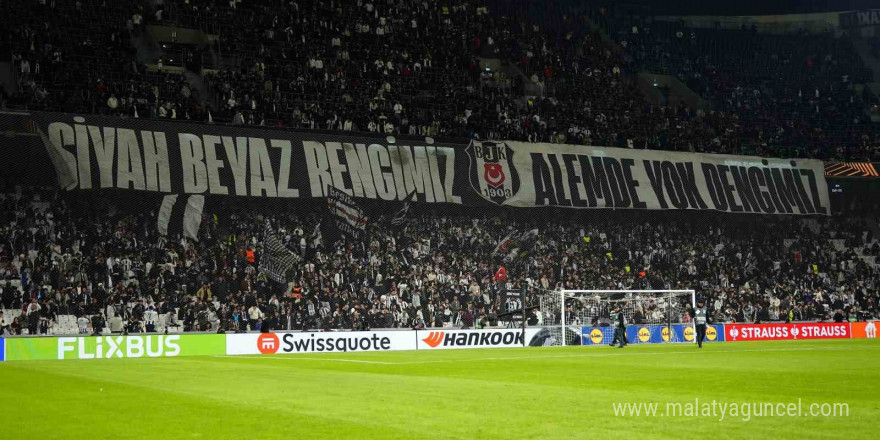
point(579, 293)
point(629, 291)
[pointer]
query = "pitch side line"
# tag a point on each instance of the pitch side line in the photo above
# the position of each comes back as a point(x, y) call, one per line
point(701, 352)
point(294, 357)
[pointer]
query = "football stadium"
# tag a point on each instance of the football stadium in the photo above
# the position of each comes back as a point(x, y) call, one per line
point(445, 219)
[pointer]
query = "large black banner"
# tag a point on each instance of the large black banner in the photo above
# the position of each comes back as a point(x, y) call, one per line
point(98, 152)
point(870, 17)
point(95, 152)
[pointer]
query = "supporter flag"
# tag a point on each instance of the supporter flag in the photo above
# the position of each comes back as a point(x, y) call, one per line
point(348, 217)
point(316, 233)
point(181, 214)
point(506, 244)
point(527, 242)
point(501, 275)
point(400, 216)
point(516, 245)
point(276, 258)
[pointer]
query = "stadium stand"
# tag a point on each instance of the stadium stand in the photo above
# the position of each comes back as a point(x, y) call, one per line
point(423, 68)
point(230, 216)
point(65, 257)
point(784, 90)
point(453, 69)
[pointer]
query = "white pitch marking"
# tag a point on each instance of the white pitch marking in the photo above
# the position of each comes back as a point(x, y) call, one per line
point(513, 358)
point(294, 357)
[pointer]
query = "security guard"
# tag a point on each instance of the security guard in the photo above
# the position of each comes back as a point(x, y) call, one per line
point(699, 315)
point(620, 328)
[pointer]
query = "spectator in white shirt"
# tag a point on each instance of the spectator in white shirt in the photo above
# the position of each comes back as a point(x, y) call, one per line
point(151, 317)
point(82, 324)
point(255, 314)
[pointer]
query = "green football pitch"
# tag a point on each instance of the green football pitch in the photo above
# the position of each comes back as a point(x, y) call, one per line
point(529, 393)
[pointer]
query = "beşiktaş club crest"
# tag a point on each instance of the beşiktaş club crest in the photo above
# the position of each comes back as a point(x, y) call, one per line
point(492, 172)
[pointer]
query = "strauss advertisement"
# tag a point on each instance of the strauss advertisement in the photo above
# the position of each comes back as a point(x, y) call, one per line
point(771, 332)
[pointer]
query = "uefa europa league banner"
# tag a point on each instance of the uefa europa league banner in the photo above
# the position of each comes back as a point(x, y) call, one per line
point(95, 152)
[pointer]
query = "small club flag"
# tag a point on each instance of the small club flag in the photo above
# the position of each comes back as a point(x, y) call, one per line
point(400, 216)
point(501, 274)
point(276, 258)
point(347, 215)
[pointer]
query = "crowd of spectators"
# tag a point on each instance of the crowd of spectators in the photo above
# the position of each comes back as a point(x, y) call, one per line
point(415, 67)
point(802, 90)
point(85, 257)
point(78, 57)
point(392, 67)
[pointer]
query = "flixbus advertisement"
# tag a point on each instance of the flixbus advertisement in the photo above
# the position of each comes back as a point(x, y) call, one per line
point(113, 347)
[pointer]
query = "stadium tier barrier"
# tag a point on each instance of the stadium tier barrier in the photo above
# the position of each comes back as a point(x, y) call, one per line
point(175, 345)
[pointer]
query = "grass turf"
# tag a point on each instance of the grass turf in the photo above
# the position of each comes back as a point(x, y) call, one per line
point(530, 393)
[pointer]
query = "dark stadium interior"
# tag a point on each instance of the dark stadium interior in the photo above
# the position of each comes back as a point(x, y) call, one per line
point(407, 68)
point(439, 219)
point(578, 73)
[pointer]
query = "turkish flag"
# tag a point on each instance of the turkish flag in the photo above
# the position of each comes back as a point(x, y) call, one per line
point(501, 275)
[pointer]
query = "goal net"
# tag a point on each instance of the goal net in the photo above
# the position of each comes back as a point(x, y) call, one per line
point(578, 317)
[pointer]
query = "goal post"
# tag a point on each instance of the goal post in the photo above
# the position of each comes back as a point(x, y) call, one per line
point(586, 317)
